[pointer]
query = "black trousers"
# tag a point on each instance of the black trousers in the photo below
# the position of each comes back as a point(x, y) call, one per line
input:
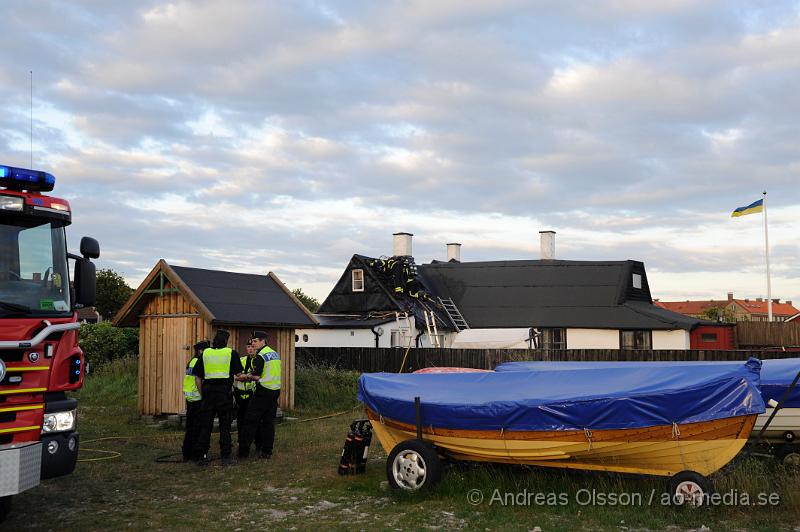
point(241, 410)
point(217, 402)
point(260, 414)
point(192, 426)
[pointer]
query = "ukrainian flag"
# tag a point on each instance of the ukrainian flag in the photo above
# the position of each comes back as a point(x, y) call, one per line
point(756, 206)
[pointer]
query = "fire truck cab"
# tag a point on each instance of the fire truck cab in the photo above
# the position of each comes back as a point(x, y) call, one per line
point(40, 359)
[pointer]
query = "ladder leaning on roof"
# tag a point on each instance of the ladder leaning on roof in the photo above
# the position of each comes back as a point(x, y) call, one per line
point(455, 315)
point(434, 339)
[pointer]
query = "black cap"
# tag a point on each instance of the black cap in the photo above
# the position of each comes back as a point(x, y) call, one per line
point(220, 339)
point(203, 344)
point(260, 335)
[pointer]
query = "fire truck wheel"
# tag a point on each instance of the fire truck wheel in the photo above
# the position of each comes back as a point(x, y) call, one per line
point(413, 465)
point(5, 507)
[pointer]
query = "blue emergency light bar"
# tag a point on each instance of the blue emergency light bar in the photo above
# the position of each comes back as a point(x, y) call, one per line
point(23, 179)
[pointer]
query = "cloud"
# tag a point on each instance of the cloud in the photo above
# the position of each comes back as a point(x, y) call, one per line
point(288, 136)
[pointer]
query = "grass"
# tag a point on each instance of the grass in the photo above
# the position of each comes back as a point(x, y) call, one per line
point(299, 487)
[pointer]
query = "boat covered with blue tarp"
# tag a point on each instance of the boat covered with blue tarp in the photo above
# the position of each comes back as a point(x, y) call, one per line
point(597, 398)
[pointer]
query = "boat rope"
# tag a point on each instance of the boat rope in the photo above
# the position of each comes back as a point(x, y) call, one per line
point(588, 434)
point(676, 432)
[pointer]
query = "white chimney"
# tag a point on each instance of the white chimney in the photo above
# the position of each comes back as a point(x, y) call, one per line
point(547, 241)
point(454, 252)
point(401, 247)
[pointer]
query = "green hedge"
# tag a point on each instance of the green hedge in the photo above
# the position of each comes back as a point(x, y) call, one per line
point(102, 343)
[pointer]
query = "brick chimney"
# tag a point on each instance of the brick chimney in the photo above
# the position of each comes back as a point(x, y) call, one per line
point(454, 252)
point(547, 245)
point(730, 296)
point(401, 245)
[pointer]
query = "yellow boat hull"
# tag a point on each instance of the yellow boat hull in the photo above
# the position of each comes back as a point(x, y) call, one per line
point(703, 447)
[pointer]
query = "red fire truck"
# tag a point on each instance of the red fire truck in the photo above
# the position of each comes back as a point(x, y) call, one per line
point(39, 355)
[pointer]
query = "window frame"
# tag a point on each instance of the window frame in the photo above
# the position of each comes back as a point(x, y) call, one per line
point(353, 280)
point(647, 334)
point(547, 340)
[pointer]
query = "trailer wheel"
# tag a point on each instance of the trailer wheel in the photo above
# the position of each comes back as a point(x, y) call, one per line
point(5, 507)
point(688, 488)
point(413, 465)
point(789, 455)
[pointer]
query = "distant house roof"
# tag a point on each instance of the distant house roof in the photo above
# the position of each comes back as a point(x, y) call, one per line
point(760, 307)
point(552, 293)
point(752, 306)
point(692, 308)
point(225, 297)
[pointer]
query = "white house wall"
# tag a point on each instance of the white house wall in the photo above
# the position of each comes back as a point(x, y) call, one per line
point(676, 339)
point(359, 337)
point(592, 339)
point(492, 339)
point(337, 338)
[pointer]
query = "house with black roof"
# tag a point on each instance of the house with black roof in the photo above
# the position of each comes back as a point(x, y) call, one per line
point(177, 306)
point(546, 303)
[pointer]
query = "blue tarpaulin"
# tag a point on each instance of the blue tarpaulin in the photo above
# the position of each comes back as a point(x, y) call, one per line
point(776, 375)
point(595, 399)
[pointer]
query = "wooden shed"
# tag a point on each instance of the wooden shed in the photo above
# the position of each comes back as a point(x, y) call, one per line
point(175, 307)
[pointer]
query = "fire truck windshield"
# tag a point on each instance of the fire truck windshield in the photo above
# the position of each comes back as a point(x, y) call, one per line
point(34, 278)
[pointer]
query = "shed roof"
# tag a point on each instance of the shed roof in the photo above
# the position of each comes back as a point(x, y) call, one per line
point(225, 297)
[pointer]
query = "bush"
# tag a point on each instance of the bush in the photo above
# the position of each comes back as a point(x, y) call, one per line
point(102, 343)
point(321, 388)
point(114, 385)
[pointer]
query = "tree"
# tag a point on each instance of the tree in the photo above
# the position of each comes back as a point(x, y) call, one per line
point(311, 303)
point(719, 314)
point(112, 293)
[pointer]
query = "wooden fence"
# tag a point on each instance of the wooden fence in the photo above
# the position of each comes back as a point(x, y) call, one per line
point(764, 334)
point(370, 359)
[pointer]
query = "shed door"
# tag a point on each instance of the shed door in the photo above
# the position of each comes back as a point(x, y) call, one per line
point(175, 351)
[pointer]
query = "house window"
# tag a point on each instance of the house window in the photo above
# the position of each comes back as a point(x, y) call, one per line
point(636, 339)
point(358, 280)
point(397, 339)
point(708, 337)
point(437, 340)
point(637, 281)
point(553, 338)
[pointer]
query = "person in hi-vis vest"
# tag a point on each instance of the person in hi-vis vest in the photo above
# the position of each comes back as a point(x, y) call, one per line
point(217, 368)
point(243, 393)
point(264, 403)
point(192, 395)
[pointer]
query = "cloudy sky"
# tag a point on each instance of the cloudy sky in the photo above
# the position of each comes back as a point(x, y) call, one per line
point(285, 136)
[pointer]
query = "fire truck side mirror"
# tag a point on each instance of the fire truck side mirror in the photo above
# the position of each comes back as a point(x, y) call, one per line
point(85, 282)
point(90, 249)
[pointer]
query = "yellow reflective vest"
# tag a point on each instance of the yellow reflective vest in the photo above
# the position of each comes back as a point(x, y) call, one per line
point(190, 391)
point(244, 389)
point(271, 374)
point(217, 363)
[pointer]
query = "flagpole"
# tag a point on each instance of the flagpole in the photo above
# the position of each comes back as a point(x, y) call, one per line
point(766, 253)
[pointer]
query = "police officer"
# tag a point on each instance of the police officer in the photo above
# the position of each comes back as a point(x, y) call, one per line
point(243, 392)
point(217, 368)
point(192, 395)
point(264, 403)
